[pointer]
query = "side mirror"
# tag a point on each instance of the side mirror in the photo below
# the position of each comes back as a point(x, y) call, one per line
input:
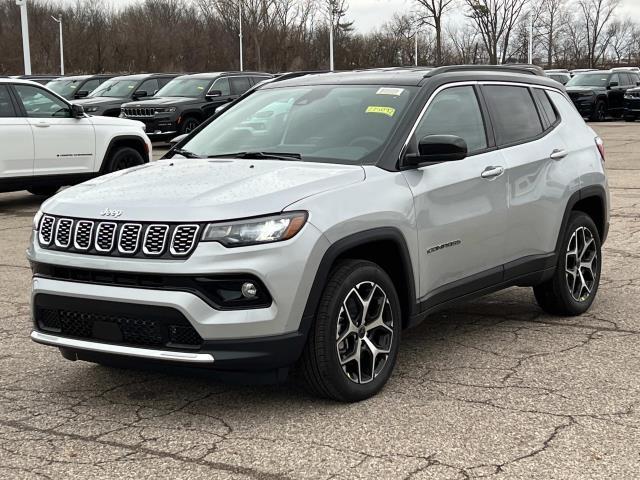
point(82, 94)
point(613, 84)
point(213, 94)
point(139, 93)
point(77, 111)
point(437, 149)
point(178, 139)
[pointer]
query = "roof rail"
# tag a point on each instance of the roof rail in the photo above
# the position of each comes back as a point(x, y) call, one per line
point(287, 75)
point(511, 68)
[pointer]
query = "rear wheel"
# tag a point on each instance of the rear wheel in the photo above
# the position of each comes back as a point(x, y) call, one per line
point(123, 157)
point(353, 344)
point(44, 191)
point(575, 282)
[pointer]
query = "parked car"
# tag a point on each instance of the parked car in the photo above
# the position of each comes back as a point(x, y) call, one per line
point(41, 79)
point(578, 71)
point(598, 94)
point(78, 86)
point(632, 104)
point(368, 201)
point(108, 98)
point(626, 69)
point(558, 76)
point(48, 142)
point(183, 103)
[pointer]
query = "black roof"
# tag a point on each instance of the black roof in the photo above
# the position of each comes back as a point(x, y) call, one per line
point(417, 76)
point(144, 76)
point(211, 75)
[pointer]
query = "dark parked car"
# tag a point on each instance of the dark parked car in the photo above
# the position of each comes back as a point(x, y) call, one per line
point(632, 104)
point(558, 76)
point(79, 86)
point(186, 101)
point(41, 79)
point(108, 98)
point(598, 94)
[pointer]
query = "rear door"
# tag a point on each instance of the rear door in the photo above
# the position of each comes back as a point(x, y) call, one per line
point(525, 124)
point(62, 144)
point(16, 140)
point(461, 206)
point(616, 91)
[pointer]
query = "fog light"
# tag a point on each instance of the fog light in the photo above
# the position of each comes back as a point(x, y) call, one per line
point(249, 290)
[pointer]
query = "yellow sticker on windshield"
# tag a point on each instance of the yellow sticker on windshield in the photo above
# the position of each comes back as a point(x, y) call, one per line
point(388, 111)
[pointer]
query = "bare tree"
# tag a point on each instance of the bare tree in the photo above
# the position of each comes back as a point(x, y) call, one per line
point(596, 14)
point(550, 23)
point(495, 20)
point(430, 12)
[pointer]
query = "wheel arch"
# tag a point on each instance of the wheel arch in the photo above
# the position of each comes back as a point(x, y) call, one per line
point(591, 200)
point(385, 246)
point(132, 141)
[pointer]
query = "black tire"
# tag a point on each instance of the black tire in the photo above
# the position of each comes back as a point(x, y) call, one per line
point(599, 112)
point(189, 124)
point(629, 118)
point(320, 364)
point(556, 296)
point(47, 191)
point(123, 157)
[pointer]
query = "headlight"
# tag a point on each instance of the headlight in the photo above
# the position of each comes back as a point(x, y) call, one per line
point(91, 109)
point(254, 231)
point(36, 219)
point(166, 110)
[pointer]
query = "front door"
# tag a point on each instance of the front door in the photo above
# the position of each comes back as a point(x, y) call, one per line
point(63, 145)
point(16, 139)
point(461, 206)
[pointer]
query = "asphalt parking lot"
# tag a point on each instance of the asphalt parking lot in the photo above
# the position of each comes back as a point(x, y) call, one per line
point(492, 388)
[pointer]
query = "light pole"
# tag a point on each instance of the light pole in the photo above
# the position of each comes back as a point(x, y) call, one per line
point(59, 22)
point(25, 35)
point(531, 37)
point(415, 48)
point(240, 34)
point(331, 35)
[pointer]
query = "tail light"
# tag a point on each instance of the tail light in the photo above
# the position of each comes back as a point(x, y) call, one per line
point(600, 145)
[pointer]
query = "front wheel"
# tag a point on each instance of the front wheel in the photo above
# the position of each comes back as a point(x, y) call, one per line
point(353, 344)
point(189, 124)
point(574, 284)
point(124, 157)
point(599, 112)
point(629, 118)
point(43, 191)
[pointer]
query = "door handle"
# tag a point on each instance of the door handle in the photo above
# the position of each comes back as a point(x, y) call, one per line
point(558, 154)
point(42, 124)
point(492, 172)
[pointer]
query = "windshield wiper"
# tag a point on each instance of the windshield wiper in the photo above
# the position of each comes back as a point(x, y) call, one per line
point(261, 155)
point(186, 153)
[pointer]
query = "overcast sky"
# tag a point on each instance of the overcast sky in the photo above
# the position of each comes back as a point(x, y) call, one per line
point(370, 14)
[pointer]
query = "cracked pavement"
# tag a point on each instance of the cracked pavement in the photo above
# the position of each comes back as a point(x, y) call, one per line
point(493, 388)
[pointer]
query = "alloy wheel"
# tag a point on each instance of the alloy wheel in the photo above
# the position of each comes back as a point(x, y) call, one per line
point(125, 161)
point(364, 334)
point(581, 266)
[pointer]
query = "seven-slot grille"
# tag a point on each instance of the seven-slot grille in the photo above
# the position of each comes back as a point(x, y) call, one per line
point(118, 238)
point(139, 112)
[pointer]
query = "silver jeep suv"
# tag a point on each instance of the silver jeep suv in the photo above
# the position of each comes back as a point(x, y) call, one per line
point(319, 217)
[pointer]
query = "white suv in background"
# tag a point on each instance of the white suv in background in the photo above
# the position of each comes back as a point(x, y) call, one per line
point(48, 142)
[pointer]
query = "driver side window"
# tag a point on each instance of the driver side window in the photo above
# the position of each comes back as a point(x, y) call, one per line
point(455, 111)
point(39, 103)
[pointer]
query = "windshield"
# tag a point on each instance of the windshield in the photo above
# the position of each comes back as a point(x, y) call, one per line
point(184, 87)
point(322, 123)
point(64, 88)
point(115, 88)
point(589, 80)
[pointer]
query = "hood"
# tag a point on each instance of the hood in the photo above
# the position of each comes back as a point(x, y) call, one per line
point(163, 101)
point(117, 121)
point(199, 190)
point(99, 101)
point(585, 89)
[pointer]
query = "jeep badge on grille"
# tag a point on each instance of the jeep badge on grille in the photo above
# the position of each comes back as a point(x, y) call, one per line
point(107, 212)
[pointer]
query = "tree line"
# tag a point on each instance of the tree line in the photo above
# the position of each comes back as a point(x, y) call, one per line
point(286, 35)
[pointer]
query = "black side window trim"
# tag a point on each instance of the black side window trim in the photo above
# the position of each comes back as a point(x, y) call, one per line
point(551, 125)
point(17, 112)
point(544, 132)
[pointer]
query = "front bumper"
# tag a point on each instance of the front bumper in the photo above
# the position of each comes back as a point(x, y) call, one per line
point(160, 126)
point(249, 339)
point(584, 105)
point(632, 106)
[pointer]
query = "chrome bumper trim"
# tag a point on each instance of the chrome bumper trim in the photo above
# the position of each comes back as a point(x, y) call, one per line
point(167, 355)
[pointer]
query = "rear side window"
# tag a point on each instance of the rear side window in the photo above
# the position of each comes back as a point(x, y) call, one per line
point(515, 117)
point(6, 107)
point(239, 85)
point(548, 113)
point(455, 111)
